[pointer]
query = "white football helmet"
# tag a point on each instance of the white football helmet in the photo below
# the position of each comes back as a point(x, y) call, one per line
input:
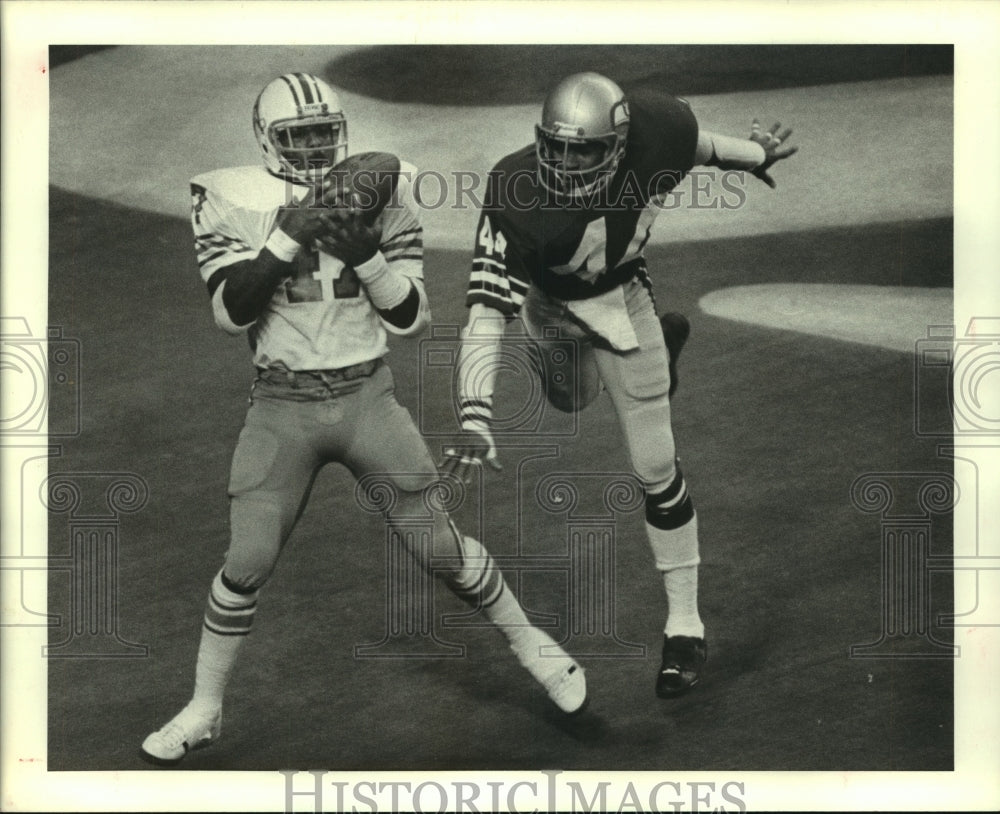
point(585, 110)
point(300, 127)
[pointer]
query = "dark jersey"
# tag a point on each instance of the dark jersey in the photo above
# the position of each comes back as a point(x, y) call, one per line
point(581, 250)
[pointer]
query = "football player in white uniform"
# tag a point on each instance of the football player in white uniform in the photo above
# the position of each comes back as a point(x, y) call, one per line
point(315, 290)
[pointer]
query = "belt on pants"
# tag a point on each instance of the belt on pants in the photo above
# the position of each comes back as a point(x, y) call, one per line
point(306, 378)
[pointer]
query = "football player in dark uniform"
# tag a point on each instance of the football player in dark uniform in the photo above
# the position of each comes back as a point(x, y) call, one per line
point(560, 244)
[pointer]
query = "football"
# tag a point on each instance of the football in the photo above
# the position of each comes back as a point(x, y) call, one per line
point(366, 181)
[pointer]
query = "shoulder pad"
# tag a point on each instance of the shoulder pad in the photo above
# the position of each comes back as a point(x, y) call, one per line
point(251, 187)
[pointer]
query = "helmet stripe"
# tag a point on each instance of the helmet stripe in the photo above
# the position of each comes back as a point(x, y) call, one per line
point(307, 90)
point(317, 88)
point(291, 86)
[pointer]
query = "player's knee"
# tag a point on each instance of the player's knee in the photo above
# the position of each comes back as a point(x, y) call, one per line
point(241, 581)
point(433, 543)
point(652, 452)
point(256, 537)
point(564, 401)
point(403, 495)
point(411, 497)
point(571, 394)
point(248, 570)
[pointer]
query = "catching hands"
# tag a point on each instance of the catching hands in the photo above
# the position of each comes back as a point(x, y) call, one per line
point(348, 236)
point(774, 151)
point(342, 229)
point(474, 448)
point(302, 220)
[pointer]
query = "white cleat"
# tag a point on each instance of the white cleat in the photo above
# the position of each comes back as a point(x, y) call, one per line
point(190, 729)
point(562, 678)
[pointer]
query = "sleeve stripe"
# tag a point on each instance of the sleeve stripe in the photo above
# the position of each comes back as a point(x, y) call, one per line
point(403, 243)
point(497, 291)
point(392, 256)
point(489, 278)
point(488, 261)
point(204, 260)
point(504, 306)
point(416, 231)
point(210, 246)
point(219, 240)
point(490, 287)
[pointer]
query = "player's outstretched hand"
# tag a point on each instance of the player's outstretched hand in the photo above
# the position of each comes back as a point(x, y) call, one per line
point(348, 236)
point(472, 450)
point(774, 146)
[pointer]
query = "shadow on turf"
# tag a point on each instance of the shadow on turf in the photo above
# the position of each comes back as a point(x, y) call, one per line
point(519, 74)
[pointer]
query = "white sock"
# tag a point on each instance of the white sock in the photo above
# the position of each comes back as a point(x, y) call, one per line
point(683, 618)
point(228, 619)
point(508, 616)
point(500, 605)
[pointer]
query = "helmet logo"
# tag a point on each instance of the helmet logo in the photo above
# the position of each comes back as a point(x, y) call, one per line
point(619, 114)
point(571, 130)
point(315, 109)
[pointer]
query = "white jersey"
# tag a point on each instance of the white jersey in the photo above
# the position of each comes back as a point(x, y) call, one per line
point(320, 317)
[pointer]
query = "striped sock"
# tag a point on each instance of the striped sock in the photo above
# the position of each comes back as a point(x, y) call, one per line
point(479, 582)
point(496, 600)
point(671, 508)
point(672, 528)
point(228, 619)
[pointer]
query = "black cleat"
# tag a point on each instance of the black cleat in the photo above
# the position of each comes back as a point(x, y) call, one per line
point(676, 330)
point(681, 665)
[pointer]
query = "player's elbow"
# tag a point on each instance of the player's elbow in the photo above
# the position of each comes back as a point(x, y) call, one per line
point(411, 317)
point(222, 317)
point(230, 327)
point(418, 326)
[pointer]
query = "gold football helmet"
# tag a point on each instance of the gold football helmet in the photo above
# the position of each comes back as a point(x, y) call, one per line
point(581, 138)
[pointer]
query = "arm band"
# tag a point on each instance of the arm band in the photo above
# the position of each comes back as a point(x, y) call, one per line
point(282, 246)
point(386, 287)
